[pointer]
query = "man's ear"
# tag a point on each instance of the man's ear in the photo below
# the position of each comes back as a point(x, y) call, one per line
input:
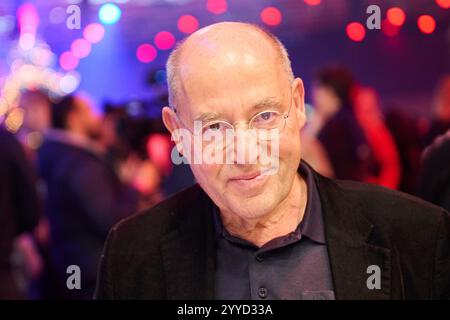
point(170, 120)
point(298, 101)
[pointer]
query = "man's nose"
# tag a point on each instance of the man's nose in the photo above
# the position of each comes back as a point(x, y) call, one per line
point(245, 147)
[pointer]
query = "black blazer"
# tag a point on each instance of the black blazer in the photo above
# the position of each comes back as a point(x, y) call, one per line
point(168, 252)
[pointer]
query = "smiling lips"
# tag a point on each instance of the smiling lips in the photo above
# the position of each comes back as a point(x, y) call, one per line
point(247, 176)
point(249, 181)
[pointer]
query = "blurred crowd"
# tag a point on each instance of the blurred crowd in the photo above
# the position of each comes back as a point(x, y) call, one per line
point(69, 173)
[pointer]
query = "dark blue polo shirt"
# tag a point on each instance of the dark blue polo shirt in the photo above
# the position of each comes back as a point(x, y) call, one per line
point(294, 266)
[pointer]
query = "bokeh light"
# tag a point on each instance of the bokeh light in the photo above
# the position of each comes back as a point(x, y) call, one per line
point(68, 83)
point(42, 57)
point(57, 15)
point(396, 16)
point(14, 120)
point(356, 31)
point(109, 13)
point(68, 61)
point(426, 24)
point(146, 53)
point(7, 23)
point(164, 40)
point(217, 6)
point(161, 76)
point(80, 48)
point(271, 16)
point(27, 41)
point(444, 4)
point(187, 24)
point(313, 2)
point(94, 32)
point(28, 18)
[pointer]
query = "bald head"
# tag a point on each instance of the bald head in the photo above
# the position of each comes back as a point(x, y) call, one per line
point(223, 47)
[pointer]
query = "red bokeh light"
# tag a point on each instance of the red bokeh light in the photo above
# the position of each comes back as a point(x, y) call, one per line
point(94, 32)
point(271, 16)
point(146, 53)
point(356, 31)
point(68, 61)
point(396, 16)
point(444, 4)
point(159, 149)
point(187, 24)
point(164, 40)
point(389, 29)
point(426, 24)
point(313, 2)
point(217, 6)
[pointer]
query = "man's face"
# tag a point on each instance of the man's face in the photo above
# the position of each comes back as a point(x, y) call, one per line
point(37, 115)
point(325, 100)
point(234, 91)
point(88, 119)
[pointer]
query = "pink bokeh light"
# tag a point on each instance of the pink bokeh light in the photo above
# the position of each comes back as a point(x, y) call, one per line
point(80, 48)
point(68, 61)
point(94, 32)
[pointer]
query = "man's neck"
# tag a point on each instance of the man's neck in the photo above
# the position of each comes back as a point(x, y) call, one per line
point(281, 221)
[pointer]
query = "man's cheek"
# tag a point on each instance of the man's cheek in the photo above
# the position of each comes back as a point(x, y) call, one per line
point(209, 173)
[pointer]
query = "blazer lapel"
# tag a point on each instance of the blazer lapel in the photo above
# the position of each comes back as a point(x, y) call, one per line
point(355, 265)
point(188, 253)
point(357, 254)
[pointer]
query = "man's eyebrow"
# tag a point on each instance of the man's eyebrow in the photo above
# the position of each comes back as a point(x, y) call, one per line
point(207, 116)
point(268, 103)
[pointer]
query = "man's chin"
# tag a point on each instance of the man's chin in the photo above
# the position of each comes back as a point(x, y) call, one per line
point(251, 207)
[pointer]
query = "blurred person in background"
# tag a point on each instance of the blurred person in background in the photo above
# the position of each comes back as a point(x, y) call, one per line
point(19, 210)
point(137, 155)
point(315, 154)
point(434, 180)
point(336, 127)
point(369, 116)
point(37, 120)
point(440, 121)
point(37, 116)
point(85, 197)
point(405, 131)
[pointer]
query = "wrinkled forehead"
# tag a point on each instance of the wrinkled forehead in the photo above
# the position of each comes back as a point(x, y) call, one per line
point(211, 74)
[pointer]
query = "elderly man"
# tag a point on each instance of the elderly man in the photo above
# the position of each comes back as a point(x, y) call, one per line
point(252, 230)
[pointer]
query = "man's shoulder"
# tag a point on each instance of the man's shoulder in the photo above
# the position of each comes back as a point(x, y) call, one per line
point(437, 156)
point(153, 223)
point(388, 208)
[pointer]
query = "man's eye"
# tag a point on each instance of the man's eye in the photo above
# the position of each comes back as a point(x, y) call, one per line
point(214, 126)
point(266, 115)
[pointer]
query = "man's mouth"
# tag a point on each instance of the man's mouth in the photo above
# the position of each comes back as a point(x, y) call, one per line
point(252, 180)
point(249, 176)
